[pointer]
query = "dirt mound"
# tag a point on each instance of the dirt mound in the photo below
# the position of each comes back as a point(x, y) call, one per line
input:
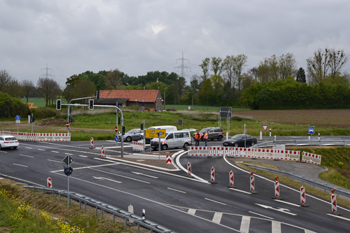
point(54, 122)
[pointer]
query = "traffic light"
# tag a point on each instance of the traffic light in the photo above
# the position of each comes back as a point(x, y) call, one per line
point(58, 104)
point(33, 119)
point(91, 104)
point(141, 126)
point(123, 130)
point(68, 170)
point(119, 120)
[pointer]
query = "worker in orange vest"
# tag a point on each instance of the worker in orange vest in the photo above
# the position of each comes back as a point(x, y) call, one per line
point(197, 137)
point(205, 137)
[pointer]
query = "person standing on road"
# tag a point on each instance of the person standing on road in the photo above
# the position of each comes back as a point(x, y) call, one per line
point(197, 137)
point(205, 137)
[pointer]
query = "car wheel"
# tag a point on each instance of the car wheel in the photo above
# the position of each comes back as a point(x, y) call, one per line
point(164, 147)
point(128, 139)
point(186, 146)
point(253, 143)
point(0, 147)
point(15, 147)
point(236, 144)
point(220, 138)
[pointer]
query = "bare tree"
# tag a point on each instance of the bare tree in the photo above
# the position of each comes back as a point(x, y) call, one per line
point(27, 87)
point(48, 88)
point(337, 60)
point(5, 79)
point(239, 62)
point(216, 65)
point(205, 67)
point(286, 66)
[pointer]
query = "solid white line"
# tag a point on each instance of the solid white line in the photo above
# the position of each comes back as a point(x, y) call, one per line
point(20, 165)
point(245, 223)
point(176, 190)
point(276, 227)
point(55, 161)
point(28, 147)
point(264, 216)
point(3, 151)
point(215, 201)
point(55, 151)
point(238, 190)
point(68, 154)
point(78, 168)
point(191, 211)
point(27, 156)
point(286, 202)
point(337, 216)
point(126, 177)
point(42, 149)
point(141, 174)
point(84, 156)
point(217, 218)
point(177, 160)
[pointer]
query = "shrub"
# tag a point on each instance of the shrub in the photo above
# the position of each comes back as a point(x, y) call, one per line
point(10, 107)
point(40, 113)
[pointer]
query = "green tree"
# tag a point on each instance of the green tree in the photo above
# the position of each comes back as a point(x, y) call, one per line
point(301, 78)
point(205, 65)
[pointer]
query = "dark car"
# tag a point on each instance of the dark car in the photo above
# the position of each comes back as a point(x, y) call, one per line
point(238, 141)
point(213, 133)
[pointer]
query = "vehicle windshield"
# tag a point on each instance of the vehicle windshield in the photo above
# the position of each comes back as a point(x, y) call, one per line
point(203, 130)
point(10, 139)
point(236, 137)
point(133, 131)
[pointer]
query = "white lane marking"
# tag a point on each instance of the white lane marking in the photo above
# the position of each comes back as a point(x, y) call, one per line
point(337, 216)
point(282, 210)
point(3, 151)
point(20, 165)
point(84, 156)
point(290, 188)
point(308, 231)
point(214, 201)
point(176, 190)
point(41, 149)
point(27, 156)
point(54, 161)
point(78, 168)
point(177, 160)
point(1, 178)
point(276, 227)
point(103, 178)
point(288, 203)
point(264, 216)
point(55, 151)
point(245, 224)
point(191, 211)
point(28, 148)
point(126, 177)
point(68, 153)
point(217, 218)
point(238, 190)
point(139, 173)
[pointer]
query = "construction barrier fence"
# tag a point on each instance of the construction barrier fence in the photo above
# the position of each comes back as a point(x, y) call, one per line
point(311, 158)
point(40, 137)
point(137, 146)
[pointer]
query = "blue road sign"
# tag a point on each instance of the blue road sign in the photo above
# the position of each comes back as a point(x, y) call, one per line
point(311, 129)
point(18, 117)
point(116, 138)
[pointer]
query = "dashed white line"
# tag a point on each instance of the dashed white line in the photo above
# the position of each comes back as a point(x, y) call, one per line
point(28, 148)
point(176, 190)
point(337, 216)
point(27, 156)
point(142, 174)
point(21, 165)
point(3, 151)
point(261, 215)
point(68, 154)
point(54, 161)
point(288, 203)
point(55, 151)
point(84, 156)
point(215, 201)
point(41, 149)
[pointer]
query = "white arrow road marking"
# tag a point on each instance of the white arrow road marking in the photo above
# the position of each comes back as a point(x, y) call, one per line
point(27, 156)
point(139, 173)
point(20, 165)
point(176, 190)
point(55, 151)
point(84, 156)
point(283, 210)
point(102, 178)
point(261, 215)
point(191, 211)
point(54, 161)
point(217, 218)
point(245, 223)
point(336, 216)
point(276, 227)
point(286, 202)
point(214, 201)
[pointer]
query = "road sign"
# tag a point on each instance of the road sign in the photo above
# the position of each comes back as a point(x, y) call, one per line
point(116, 138)
point(265, 127)
point(116, 129)
point(152, 133)
point(311, 129)
point(18, 118)
point(49, 182)
point(67, 124)
point(18, 121)
point(68, 160)
point(169, 159)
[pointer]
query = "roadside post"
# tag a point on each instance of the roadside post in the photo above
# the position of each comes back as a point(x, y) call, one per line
point(49, 184)
point(18, 120)
point(270, 132)
point(159, 133)
point(144, 135)
point(311, 132)
point(245, 138)
point(68, 171)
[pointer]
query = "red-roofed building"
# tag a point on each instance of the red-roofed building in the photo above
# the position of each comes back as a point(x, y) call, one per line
point(142, 98)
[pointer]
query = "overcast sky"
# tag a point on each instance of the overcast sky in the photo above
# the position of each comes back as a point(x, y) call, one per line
point(72, 37)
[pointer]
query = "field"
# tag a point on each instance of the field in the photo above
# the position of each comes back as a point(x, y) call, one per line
point(38, 102)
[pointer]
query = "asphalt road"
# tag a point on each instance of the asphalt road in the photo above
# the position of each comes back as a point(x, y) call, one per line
point(170, 198)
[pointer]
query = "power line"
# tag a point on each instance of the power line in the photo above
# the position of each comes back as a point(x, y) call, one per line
point(182, 66)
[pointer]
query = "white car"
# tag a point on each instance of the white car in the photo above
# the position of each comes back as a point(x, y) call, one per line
point(7, 141)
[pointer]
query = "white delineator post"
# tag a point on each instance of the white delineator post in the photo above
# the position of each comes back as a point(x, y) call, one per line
point(212, 175)
point(277, 188)
point(102, 152)
point(189, 169)
point(252, 183)
point(334, 202)
point(92, 143)
point(302, 196)
point(143, 214)
point(231, 180)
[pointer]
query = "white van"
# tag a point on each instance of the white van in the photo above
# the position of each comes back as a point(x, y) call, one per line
point(168, 128)
point(173, 139)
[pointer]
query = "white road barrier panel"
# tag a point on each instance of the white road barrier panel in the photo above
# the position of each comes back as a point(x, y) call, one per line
point(231, 180)
point(252, 183)
point(103, 152)
point(92, 146)
point(311, 158)
point(169, 159)
point(277, 188)
point(189, 169)
point(137, 146)
point(40, 137)
point(143, 214)
point(212, 175)
point(302, 196)
point(334, 202)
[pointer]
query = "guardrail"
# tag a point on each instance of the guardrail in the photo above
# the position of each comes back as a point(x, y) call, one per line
point(303, 180)
point(128, 217)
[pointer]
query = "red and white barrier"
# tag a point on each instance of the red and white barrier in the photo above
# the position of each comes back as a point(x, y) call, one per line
point(169, 159)
point(252, 183)
point(137, 146)
point(334, 202)
point(40, 137)
point(231, 180)
point(311, 158)
point(212, 175)
point(92, 146)
point(189, 169)
point(49, 182)
point(103, 155)
point(277, 188)
point(302, 196)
